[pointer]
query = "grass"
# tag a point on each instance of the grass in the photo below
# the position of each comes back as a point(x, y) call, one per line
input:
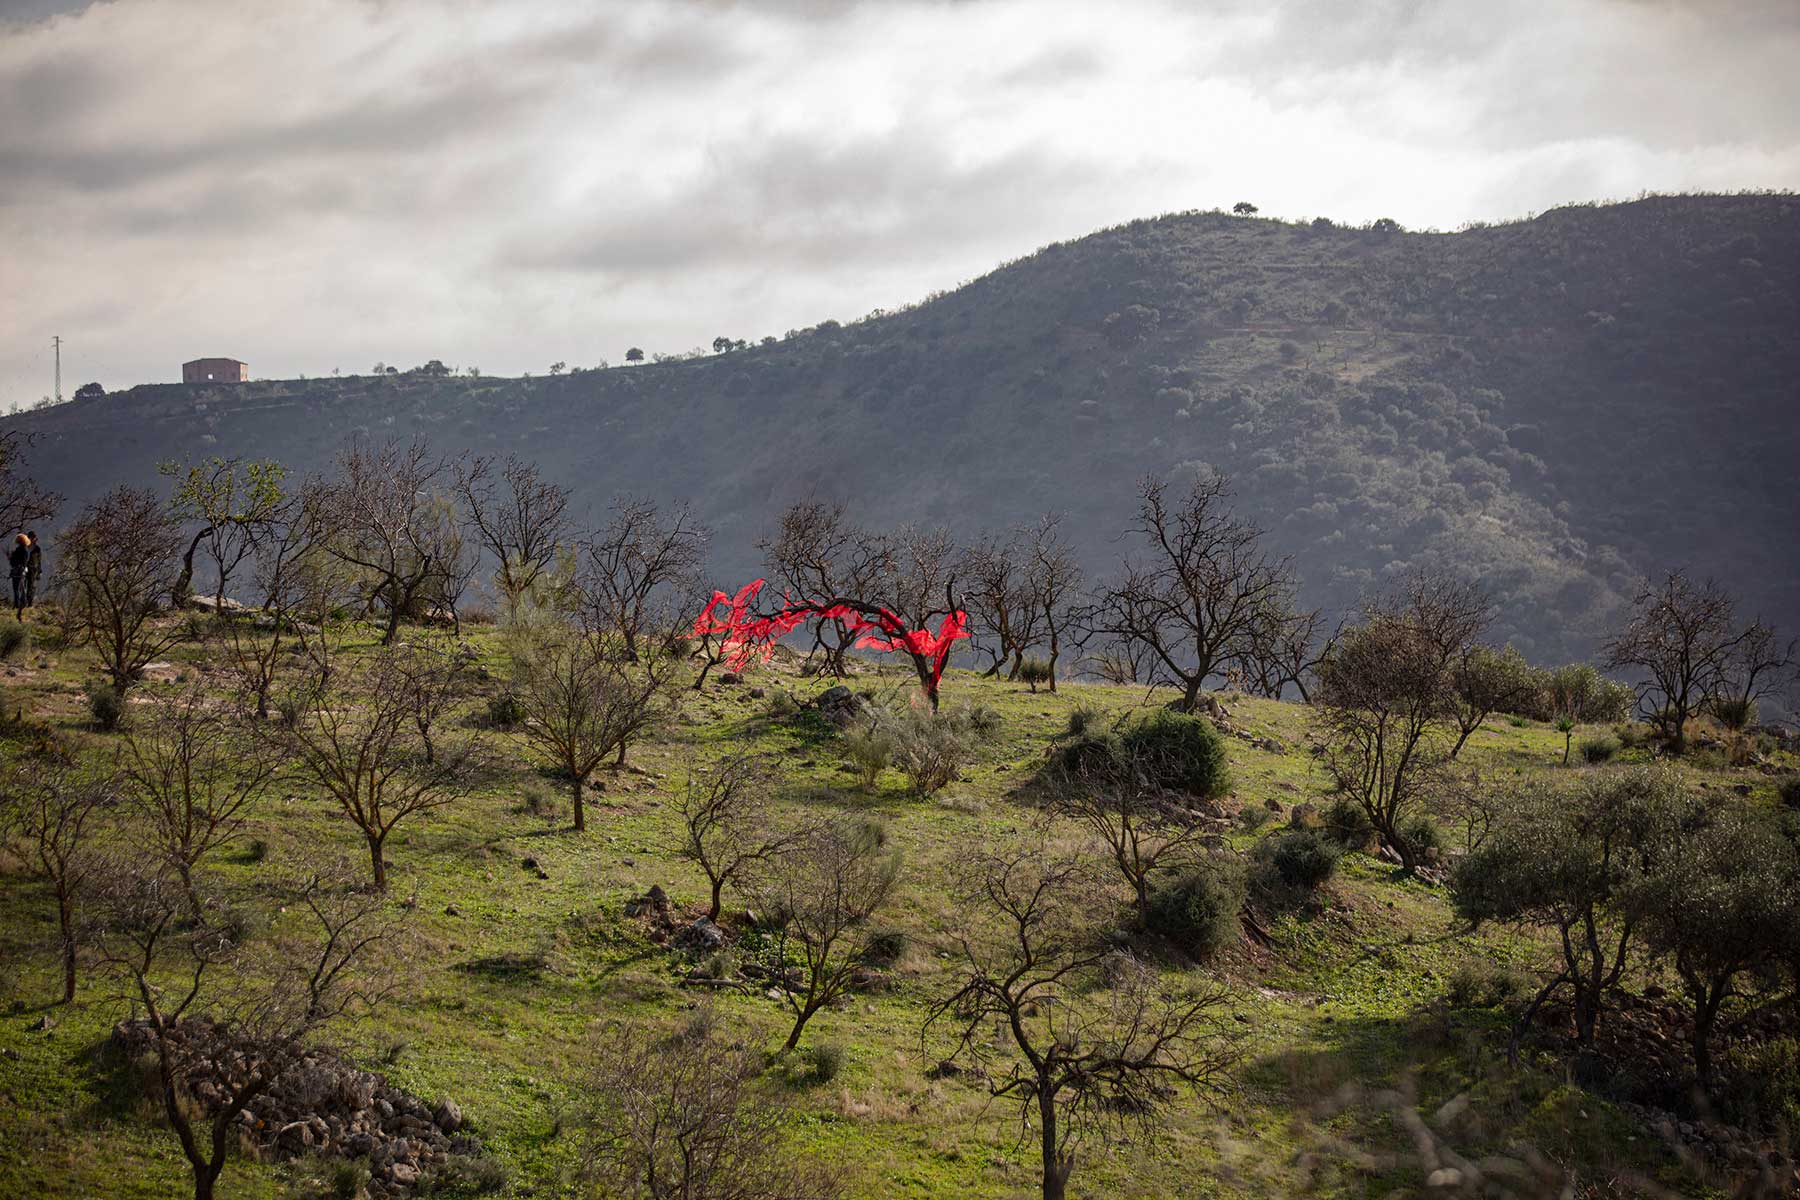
point(501, 997)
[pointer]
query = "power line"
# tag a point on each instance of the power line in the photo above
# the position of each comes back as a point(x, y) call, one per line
point(57, 343)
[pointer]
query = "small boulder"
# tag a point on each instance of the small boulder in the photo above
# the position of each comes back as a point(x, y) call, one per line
point(447, 1116)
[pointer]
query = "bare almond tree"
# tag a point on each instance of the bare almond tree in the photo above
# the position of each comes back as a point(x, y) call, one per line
point(679, 1117)
point(192, 776)
point(1386, 700)
point(727, 827)
point(634, 567)
point(232, 502)
point(1052, 573)
point(208, 999)
point(1760, 665)
point(1284, 647)
point(1144, 826)
point(1193, 597)
point(433, 673)
point(378, 514)
point(520, 519)
point(818, 555)
point(118, 562)
point(357, 738)
point(1003, 606)
point(583, 705)
point(50, 813)
point(1077, 1053)
point(284, 572)
point(1681, 637)
point(22, 501)
point(820, 892)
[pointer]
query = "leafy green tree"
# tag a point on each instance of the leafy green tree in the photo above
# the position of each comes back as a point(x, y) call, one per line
point(233, 502)
point(1244, 208)
point(1723, 907)
point(90, 391)
point(634, 355)
point(1486, 681)
point(1568, 860)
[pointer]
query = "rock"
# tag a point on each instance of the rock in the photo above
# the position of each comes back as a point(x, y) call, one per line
point(757, 693)
point(1272, 804)
point(404, 1174)
point(703, 934)
point(530, 863)
point(730, 677)
point(1305, 816)
point(450, 910)
point(43, 1024)
point(447, 1116)
point(1272, 746)
point(1742, 789)
point(653, 904)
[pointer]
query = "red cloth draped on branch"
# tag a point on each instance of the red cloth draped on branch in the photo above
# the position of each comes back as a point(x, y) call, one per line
point(751, 637)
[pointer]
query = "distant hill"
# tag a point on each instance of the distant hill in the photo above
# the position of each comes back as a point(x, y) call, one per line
point(1557, 405)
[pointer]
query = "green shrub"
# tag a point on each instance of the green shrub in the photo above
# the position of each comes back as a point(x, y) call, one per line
point(1253, 817)
point(13, 640)
point(1423, 835)
point(1633, 736)
point(1789, 790)
point(1483, 984)
point(781, 706)
point(1304, 859)
point(818, 1062)
point(1197, 908)
point(1348, 825)
point(1034, 671)
point(981, 719)
point(464, 1175)
point(505, 711)
point(1081, 719)
point(1181, 752)
point(869, 748)
point(1762, 1084)
point(929, 749)
point(884, 947)
point(1518, 722)
point(1598, 749)
point(105, 705)
point(1092, 756)
point(1735, 714)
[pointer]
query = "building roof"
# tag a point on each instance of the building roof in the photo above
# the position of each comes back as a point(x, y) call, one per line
point(215, 358)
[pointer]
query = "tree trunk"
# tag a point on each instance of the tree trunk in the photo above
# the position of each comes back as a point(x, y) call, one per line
point(184, 582)
point(718, 892)
point(1461, 737)
point(393, 625)
point(1190, 697)
point(1056, 1168)
point(1054, 651)
point(375, 861)
point(575, 798)
point(65, 913)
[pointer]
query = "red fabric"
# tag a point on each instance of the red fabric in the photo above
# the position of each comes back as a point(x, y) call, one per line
point(748, 637)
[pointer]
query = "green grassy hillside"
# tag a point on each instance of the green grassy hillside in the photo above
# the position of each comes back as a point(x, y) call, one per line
point(1557, 406)
point(515, 968)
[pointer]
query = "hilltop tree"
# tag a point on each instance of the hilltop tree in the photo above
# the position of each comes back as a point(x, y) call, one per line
point(519, 518)
point(90, 391)
point(1682, 636)
point(634, 355)
point(1244, 208)
point(118, 562)
point(1091, 1037)
point(1192, 601)
point(234, 502)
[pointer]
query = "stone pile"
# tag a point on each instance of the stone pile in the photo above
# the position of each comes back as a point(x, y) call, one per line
point(321, 1105)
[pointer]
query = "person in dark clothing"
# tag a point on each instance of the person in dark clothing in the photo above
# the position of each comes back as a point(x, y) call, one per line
point(34, 568)
point(16, 560)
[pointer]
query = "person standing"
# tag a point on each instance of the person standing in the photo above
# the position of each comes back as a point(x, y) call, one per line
point(34, 568)
point(16, 558)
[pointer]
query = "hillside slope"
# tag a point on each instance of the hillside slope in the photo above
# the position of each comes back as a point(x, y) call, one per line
point(1558, 405)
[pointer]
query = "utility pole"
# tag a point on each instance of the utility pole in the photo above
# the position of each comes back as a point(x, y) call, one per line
point(57, 343)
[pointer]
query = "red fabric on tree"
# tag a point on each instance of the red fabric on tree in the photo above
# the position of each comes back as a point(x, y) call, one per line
point(748, 637)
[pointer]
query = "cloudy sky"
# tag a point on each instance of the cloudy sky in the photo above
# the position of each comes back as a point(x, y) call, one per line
point(319, 184)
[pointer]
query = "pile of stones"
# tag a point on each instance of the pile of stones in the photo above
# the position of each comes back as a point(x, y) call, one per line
point(320, 1105)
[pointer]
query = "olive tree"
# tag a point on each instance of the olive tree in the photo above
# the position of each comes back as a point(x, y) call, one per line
point(233, 503)
point(1569, 860)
